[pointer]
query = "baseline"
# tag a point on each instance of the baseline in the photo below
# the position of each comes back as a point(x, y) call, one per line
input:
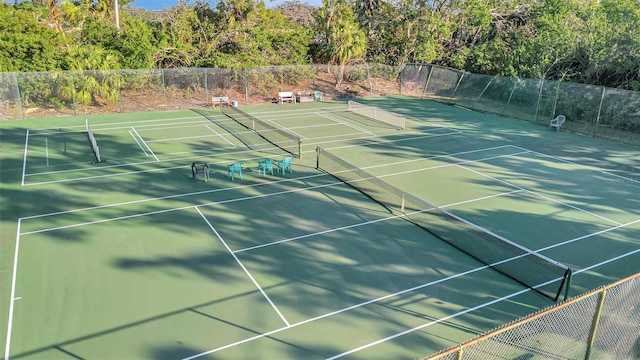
point(421, 287)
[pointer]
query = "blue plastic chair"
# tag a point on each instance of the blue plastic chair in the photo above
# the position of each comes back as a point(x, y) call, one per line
point(285, 164)
point(234, 168)
point(264, 166)
point(317, 95)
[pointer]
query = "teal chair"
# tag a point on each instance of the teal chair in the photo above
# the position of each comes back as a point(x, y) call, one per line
point(317, 96)
point(264, 166)
point(284, 165)
point(234, 168)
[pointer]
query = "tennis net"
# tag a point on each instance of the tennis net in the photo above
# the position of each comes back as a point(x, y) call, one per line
point(377, 114)
point(94, 143)
point(535, 271)
point(277, 136)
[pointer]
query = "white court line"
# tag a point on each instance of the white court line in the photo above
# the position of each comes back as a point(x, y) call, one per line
point(539, 194)
point(222, 136)
point(338, 183)
point(178, 208)
point(138, 142)
point(418, 288)
point(145, 144)
point(181, 138)
point(297, 179)
point(108, 126)
point(297, 112)
point(24, 161)
point(189, 124)
point(13, 293)
point(278, 126)
point(371, 301)
point(266, 144)
point(346, 123)
point(255, 282)
point(443, 156)
point(302, 137)
point(366, 139)
point(408, 331)
point(606, 172)
point(366, 223)
point(46, 150)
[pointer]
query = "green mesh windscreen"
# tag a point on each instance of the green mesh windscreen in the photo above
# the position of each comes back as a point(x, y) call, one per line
point(531, 269)
point(277, 136)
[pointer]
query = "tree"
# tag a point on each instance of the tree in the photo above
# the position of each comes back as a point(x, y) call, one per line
point(342, 40)
point(88, 86)
point(27, 44)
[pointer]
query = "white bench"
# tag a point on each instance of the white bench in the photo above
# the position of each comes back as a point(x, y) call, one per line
point(286, 96)
point(220, 100)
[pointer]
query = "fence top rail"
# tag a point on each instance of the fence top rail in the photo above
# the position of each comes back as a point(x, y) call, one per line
point(527, 319)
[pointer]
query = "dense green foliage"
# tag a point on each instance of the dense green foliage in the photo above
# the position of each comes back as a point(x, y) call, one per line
point(588, 41)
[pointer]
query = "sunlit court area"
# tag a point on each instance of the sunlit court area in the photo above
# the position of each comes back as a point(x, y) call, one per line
point(388, 228)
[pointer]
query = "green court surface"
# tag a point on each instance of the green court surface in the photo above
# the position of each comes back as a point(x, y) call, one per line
point(131, 258)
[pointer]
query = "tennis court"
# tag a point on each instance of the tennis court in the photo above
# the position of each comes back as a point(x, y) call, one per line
point(126, 256)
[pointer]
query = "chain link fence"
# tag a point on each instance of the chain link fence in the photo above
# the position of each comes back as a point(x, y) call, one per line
point(591, 110)
point(602, 324)
point(49, 94)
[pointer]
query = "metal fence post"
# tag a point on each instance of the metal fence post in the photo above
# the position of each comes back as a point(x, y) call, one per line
point(15, 77)
point(594, 324)
point(595, 127)
point(457, 85)
point(206, 88)
point(164, 90)
point(73, 94)
point(482, 93)
point(426, 84)
point(513, 89)
point(119, 91)
point(245, 79)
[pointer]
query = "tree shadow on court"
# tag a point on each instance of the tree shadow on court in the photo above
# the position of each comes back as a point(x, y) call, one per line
point(488, 130)
point(211, 265)
point(316, 270)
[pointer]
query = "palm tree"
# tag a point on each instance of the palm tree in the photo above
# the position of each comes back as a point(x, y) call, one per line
point(344, 39)
point(87, 86)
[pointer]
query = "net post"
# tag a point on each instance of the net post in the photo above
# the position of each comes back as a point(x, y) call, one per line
point(317, 157)
point(567, 284)
point(402, 205)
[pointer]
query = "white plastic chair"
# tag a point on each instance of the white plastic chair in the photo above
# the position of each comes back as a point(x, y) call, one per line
point(557, 122)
